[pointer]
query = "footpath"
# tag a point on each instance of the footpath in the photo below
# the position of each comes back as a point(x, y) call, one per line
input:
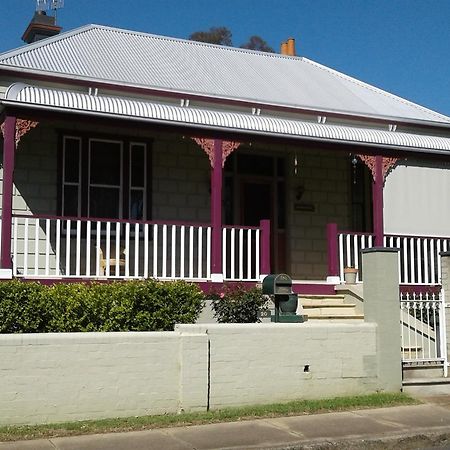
point(424, 426)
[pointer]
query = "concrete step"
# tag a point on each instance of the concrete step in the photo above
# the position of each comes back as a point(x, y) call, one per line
point(328, 307)
point(427, 387)
point(334, 317)
point(423, 372)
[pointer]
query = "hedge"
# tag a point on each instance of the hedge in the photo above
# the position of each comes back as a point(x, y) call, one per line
point(238, 304)
point(147, 305)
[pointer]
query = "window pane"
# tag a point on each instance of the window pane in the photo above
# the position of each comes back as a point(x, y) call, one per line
point(104, 202)
point(255, 165)
point(71, 160)
point(70, 205)
point(137, 165)
point(136, 204)
point(105, 163)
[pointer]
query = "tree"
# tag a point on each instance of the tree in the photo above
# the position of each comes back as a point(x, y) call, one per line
point(258, 43)
point(215, 35)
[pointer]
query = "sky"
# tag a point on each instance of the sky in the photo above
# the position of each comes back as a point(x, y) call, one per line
point(402, 46)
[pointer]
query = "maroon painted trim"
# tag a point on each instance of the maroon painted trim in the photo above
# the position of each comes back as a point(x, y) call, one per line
point(420, 289)
point(377, 194)
point(100, 219)
point(205, 98)
point(355, 233)
point(239, 227)
point(216, 208)
point(313, 289)
point(265, 246)
point(332, 249)
point(9, 149)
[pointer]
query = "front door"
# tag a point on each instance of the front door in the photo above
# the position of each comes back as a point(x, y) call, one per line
point(254, 190)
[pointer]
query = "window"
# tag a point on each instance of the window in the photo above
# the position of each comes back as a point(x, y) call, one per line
point(104, 178)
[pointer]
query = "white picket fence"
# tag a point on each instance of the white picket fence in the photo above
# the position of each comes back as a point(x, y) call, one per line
point(419, 255)
point(423, 328)
point(46, 247)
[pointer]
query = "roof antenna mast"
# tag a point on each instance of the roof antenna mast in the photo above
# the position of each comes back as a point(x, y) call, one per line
point(45, 5)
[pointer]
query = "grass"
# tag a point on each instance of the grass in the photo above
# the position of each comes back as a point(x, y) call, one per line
point(293, 408)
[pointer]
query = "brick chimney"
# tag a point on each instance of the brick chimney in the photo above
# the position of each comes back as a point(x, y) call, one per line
point(288, 47)
point(41, 27)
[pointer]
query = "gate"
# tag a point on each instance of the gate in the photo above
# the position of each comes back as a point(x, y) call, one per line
point(423, 329)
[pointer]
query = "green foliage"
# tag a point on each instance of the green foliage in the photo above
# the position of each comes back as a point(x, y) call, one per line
point(223, 36)
point(238, 304)
point(121, 306)
point(215, 35)
point(258, 43)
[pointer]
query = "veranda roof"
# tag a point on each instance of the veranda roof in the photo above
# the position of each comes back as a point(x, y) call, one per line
point(122, 57)
point(63, 100)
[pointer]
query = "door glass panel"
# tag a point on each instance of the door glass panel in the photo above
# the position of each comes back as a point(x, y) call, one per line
point(256, 202)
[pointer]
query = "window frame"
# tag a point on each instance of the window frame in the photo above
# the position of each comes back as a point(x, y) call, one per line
point(84, 175)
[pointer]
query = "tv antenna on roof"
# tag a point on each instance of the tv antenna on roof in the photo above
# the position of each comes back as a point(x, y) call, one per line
point(46, 5)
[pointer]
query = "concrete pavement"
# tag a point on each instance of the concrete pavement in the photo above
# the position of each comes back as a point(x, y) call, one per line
point(404, 427)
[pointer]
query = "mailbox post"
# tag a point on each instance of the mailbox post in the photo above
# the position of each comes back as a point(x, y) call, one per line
point(279, 287)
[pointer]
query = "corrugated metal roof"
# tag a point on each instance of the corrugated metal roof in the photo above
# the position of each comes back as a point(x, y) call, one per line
point(32, 95)
point(124, 57)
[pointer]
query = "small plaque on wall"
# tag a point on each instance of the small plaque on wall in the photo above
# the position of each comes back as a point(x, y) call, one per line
point(308, 207)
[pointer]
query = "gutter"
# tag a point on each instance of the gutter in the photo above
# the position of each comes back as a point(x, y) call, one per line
point(164, 92)
point(215, 128)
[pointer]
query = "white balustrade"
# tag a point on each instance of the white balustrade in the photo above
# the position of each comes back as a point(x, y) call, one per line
point(419, 261)
point(241, 253)
point(79, 248)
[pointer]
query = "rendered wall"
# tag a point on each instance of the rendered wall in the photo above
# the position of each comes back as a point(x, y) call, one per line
point(74, 376)
point(264, 363)
point(60, 377)
point(414, 200)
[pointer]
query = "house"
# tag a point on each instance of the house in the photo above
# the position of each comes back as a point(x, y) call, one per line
point(131, 155)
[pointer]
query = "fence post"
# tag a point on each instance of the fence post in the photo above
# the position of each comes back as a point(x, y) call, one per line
point(333, 258)
point(265, 248)
point(445, 290)
point(381, 306)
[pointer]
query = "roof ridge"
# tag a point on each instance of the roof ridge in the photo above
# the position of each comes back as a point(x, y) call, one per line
point(197, 43)
point(376, 89)
point(45, 42)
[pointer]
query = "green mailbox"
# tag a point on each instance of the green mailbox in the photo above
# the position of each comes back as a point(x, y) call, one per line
point(279, 287)
point(277, 284)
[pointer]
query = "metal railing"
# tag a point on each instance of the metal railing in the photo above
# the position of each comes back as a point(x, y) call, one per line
point(422, 324)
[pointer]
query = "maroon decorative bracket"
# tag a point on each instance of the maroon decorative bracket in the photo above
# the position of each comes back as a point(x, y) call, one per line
point(207, 145)
point(369, 161)
point(23, 126)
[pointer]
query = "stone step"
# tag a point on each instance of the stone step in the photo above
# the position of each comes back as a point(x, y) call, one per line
point(327, 303)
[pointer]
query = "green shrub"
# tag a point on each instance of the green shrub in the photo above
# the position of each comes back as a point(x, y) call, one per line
point(147, 305)
point(238, 304)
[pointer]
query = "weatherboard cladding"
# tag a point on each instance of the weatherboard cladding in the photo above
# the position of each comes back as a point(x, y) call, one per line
point(52, 98)
point(124, 57)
